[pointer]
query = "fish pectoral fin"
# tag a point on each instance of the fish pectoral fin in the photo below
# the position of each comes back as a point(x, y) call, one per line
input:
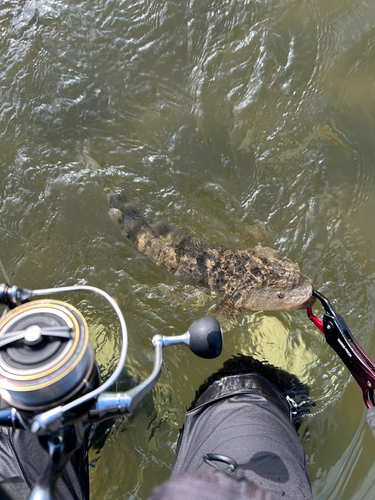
point(226, 314)
point(256, 233)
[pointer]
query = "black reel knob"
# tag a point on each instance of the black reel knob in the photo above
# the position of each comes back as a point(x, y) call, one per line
point(206, 337)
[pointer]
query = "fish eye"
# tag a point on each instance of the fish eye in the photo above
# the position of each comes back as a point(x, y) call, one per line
point(281, 295)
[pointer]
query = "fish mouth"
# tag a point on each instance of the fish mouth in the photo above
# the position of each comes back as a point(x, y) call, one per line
point(306, 304)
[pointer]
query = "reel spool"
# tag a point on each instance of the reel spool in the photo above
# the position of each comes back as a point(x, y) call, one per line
point(45, 355)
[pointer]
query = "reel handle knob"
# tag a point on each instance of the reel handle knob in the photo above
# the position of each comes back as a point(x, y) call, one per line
point(206, 337)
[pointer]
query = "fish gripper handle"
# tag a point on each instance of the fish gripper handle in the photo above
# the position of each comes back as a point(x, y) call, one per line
point(340, 338)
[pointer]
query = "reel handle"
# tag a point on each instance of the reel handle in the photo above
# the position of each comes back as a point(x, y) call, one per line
point(204, 338)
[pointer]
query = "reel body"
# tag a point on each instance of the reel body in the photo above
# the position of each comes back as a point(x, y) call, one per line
point(46, 358)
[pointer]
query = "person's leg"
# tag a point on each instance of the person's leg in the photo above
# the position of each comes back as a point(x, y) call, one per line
point(246, 419)
point(22, 460)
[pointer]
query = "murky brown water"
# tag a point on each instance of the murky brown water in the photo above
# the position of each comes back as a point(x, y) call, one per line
point(211, 115)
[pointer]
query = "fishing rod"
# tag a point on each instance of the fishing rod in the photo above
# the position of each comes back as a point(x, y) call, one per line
point(51, 382)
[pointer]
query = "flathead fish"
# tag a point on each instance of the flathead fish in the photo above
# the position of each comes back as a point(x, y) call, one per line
point(255, 279)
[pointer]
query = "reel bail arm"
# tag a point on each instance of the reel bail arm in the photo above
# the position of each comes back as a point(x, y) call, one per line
point(12, 296)
point(340, 338)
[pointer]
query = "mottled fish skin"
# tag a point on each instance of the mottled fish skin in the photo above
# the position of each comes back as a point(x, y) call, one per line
point(256, 279)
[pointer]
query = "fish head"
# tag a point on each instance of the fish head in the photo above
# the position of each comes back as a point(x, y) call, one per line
point(273, 283)
point(115, 215)
point(298, 295)
point(118, 200)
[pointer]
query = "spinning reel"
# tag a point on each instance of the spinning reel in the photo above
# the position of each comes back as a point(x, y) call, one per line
point(49, 378)
point(45, 355)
